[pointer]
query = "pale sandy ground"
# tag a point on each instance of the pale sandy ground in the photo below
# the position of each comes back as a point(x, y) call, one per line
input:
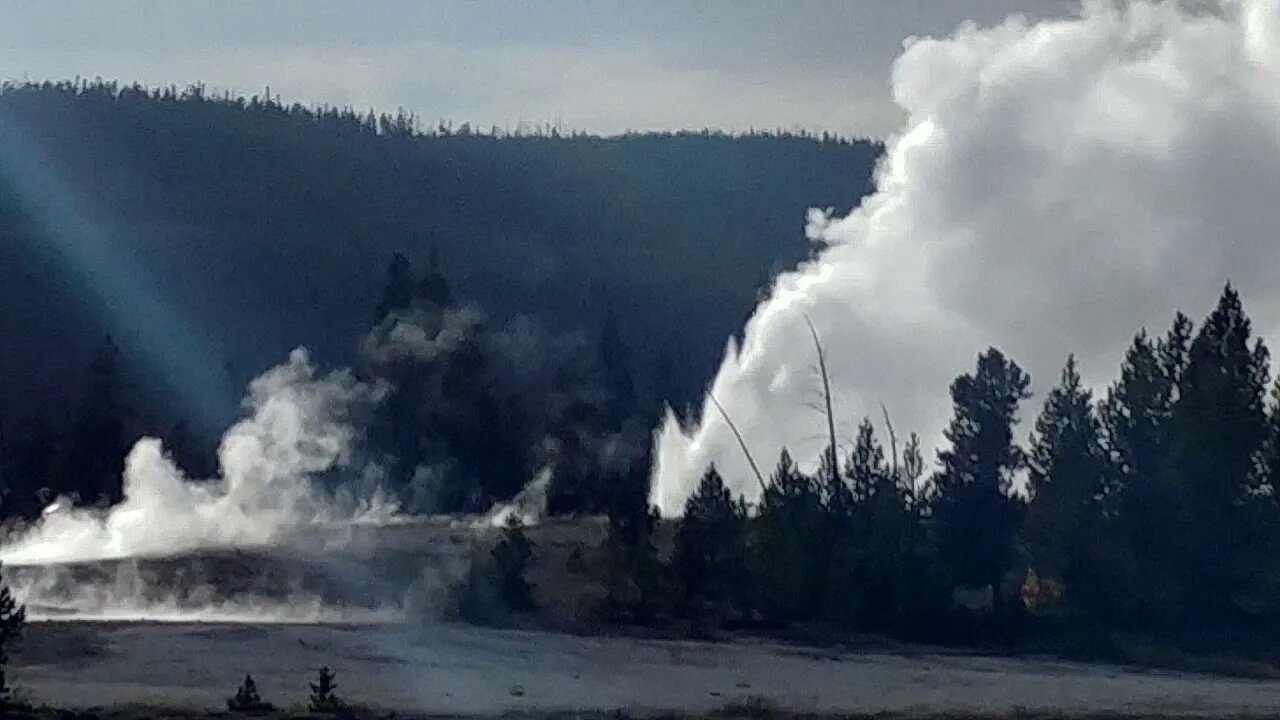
point(459, 669)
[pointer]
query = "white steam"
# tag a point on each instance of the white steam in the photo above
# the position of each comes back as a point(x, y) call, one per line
point(296, 426)
point(1057, 186)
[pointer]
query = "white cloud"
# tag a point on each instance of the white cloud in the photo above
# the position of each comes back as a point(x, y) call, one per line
point(1057, 186)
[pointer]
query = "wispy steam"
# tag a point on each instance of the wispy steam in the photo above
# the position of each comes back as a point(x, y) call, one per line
point(419, 336)
point(1057, 186)
point(537, 398)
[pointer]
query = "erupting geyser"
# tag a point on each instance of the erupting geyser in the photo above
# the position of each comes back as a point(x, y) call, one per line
point(110, 563)
point(296, 427)
point(1057, 185)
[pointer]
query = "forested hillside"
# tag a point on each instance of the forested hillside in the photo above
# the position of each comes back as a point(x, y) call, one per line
point(160, 248)
point(270, 226)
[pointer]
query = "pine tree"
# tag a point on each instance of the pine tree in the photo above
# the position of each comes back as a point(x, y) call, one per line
point(976, 517)
point(12, 618)
point(1134, 417)
point(1141, 495)
point(323, 696)
point(663, 392)
point(247, 699)
point(510, 561)
point(1268, 464)
point(865, 469)
point(916, 590)
point(910, 473)
point(434, 288)
point(1264, 511)
point(869, 547)
point(1173, 352)
point(1065, 524)
point(399, 290)
point(636, 587)
point(1219, 428)
point(26, 463)
point(615, 360)
point(710, 548)
point(91, 464)
point(187, 453)
point(791, 555)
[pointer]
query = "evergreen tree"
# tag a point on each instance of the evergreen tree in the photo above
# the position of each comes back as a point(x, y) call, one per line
point(636, 581)
point(910, 473)
point(710, 548)
point(1173, 351)
point(12, 618)
point(26, 463)
point(869, 548)
point(1065, 526)
point(1134, 417)
point(865, 469)
point(183, 446)
point(1141, 494)
point(615, 360)
point(1268, 464)
point(324, 698)
point(399, 290)
point(790, 562)
point(92, 463)
point(1219, 428)
point(434, 288)
point(483, 430)
point(636, 587)
point(247, 699)
point(663, 392)
point(916, 588)
point(976, 517)
point(510, 559)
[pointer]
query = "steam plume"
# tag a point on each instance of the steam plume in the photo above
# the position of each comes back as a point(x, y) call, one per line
point(1056, 186)
point(296, 426)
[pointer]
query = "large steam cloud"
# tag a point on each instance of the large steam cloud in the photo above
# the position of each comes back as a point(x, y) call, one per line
point(297, 426)
point(1056, 187)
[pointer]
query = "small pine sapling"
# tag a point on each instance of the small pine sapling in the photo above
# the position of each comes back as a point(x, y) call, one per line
point(247, 700)
point(323, 698)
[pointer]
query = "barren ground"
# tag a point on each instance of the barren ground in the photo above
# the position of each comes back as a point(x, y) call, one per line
point(448, 669)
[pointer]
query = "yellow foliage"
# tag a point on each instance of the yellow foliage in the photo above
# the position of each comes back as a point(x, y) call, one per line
point(1040, 595)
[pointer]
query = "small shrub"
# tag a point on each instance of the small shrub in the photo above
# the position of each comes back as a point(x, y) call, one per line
point(247, 699)
point(510, 558)
point(323, 698)
point(752, 707)
point(495, 587)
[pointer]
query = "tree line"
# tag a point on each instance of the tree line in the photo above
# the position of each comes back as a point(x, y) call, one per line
point(1151, 509)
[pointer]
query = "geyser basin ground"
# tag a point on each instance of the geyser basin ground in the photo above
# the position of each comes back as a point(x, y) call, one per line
point(466, 670)
point(275, 595)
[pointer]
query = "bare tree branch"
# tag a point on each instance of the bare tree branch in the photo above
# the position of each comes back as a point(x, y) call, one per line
point(826, 392)
point(893, 441)
point(742, 443)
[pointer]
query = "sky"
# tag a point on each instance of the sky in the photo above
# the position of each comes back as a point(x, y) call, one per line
point(596, 65)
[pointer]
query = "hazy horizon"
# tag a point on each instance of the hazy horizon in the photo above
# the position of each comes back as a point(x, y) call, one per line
point(602, 68)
